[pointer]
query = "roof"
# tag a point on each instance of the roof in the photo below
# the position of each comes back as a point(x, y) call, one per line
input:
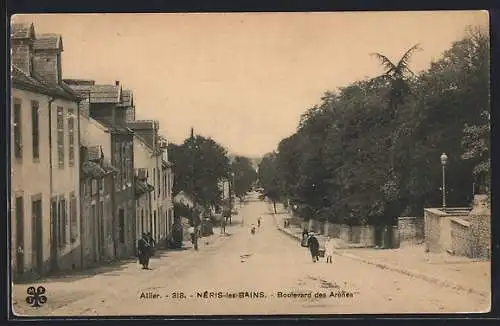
point(98, 93)
point(22, 31)
point(142, 187)
point(127, 98)
point(33, 82)
point(143, 124)
point(110, 169)
point(92, 170)
point(48, 42)
point(166, 164)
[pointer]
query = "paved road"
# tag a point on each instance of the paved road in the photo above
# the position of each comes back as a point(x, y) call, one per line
point(260, 266)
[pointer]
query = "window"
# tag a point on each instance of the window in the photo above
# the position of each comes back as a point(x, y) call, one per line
point(124, 165)
point(154, 182)
point(142, 220)
point(159, 184)
point(73, 218)
point(63, 223)
point(18, 139)
point(117, 176)
point(35, 129)
point(94, 187)
point(121, 221)
point(101, 185)
point(71, 137)
point(60, 136)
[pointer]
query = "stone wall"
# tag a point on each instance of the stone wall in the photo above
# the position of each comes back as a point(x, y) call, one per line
point(480, 228)
point(460, 237)
point(432, 229)
point(411, 229)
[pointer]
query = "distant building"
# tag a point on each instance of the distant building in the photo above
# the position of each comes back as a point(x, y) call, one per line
point(45, 156)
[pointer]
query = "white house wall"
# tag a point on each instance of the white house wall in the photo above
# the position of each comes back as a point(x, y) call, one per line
point(29, 178)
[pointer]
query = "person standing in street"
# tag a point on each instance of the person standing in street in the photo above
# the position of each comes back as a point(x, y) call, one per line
point(144, 251)
point(258, 222)
point(223, 225)
point(313, 245)
point(329, 247)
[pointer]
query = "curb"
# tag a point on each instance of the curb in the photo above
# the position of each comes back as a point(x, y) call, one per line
point(407, 272)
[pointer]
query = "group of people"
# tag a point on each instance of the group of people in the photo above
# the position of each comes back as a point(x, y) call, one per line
point(145, 249)
point(252, 229)
point(310, 240)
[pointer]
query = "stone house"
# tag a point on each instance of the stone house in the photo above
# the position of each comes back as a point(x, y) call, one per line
point(146, 138)
point(97, 179)
point(106, 105)
point(145, 164)
point(143, 196)
point(167, 199)
point(44, 151)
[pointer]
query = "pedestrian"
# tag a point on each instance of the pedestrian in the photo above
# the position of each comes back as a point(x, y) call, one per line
point(152, 244)
point(191, 233)
point(258, 222)
point(329, 247)
point(144, 251)
point(252, 230)
point(223, 226)
point(313, 244)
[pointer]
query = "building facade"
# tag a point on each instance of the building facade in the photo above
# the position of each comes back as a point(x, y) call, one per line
point(146, 135)
point(106, 105)
point(45, 157)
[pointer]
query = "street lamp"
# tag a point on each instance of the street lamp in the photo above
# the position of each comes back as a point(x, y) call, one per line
point(444, 160)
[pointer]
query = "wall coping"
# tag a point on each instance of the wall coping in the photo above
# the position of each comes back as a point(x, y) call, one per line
point(460, 221)
point(410, 218)
point(436, 211)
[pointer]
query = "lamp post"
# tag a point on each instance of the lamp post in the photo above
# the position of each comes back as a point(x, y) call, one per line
point(444, 161)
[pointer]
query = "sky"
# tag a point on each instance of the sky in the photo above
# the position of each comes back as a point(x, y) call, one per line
point(243, 79)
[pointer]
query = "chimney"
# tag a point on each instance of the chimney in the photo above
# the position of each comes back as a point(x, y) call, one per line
point(117, 83)
point(22, 39)
point(47, 58)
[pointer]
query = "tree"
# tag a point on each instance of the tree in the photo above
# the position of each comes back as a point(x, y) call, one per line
point(244, 175)
point(397, 75)
point(200, 164)
point(269, 178)
point(352, 159)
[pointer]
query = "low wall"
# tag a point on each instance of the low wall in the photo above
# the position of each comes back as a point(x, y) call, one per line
point(460, 237)
point(411, 229)
point(363, 235)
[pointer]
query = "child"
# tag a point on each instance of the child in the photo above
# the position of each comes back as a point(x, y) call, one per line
point(329, 247)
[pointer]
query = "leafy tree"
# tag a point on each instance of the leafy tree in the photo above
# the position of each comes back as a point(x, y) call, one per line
point(200, 164)
point(369, 152)
point(269, 178)
point(244, 175)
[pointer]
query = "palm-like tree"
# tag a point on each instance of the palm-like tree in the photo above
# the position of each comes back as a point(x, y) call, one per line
point(398, 75)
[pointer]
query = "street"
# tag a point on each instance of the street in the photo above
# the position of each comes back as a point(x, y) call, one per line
point(209, 282)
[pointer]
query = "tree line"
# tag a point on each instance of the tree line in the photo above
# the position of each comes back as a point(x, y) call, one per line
point(370, 152)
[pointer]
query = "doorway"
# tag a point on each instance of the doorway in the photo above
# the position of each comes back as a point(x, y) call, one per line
point(37, 236)
point(19, 236)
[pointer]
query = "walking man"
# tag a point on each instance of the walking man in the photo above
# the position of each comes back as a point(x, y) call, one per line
point(329, 247)
point(258, 222)
point(313, 245)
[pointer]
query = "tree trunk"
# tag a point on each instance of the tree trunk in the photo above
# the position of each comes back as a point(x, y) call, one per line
point(274, 206)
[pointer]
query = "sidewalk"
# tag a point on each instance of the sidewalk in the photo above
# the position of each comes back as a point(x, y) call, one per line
point(456, 272)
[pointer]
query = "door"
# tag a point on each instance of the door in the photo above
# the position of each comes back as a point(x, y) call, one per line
point(37, 236)
point(101, 242)
point(19, 235)
point(93, 234)
point(54, 235)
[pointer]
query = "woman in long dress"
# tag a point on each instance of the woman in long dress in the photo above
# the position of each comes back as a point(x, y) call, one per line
point(313, 245)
